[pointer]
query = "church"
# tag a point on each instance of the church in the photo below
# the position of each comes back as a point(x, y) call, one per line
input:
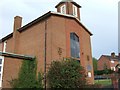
point(52, 36)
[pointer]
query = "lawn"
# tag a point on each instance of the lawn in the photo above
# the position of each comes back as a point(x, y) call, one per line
point(104, 82)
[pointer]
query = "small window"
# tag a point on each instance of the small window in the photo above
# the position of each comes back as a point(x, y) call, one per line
point(0, 61)
point(113, 68)
point(63, 9)
point(89, 68)
point(0, 68)
point(74, 10)
point(89, 74)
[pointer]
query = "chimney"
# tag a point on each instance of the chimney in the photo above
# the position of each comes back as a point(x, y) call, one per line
point(17, 22)
point(17, 25)
point(112, 54)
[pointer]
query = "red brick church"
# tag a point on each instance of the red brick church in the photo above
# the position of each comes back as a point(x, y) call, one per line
point(58, 34)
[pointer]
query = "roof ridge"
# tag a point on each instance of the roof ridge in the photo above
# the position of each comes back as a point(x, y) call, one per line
point(67, 1)
point(43, 17)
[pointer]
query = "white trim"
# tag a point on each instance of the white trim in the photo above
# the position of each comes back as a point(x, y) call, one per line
point(63, 9)
point(4, 46)
point(75, 11)
point(89, 74)
point(1, 79)
point(2, 63)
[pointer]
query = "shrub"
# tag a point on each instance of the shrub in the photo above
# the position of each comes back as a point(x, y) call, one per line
point(101, 72)
point(27, 76)
point(94, 63)
point(66, 74)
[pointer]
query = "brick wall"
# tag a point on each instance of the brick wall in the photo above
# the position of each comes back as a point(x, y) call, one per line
point(31, 42)
point(102, 61)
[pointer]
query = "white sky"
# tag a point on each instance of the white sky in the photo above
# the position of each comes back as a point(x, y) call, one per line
point(119, 27)
point(99, 16)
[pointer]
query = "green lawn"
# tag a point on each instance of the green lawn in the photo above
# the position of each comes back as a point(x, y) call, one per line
point(104, 82)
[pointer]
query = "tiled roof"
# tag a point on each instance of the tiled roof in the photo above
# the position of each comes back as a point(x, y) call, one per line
point(112, 58)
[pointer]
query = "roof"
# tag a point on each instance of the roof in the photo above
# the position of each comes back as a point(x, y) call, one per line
point(63, 1)
point(43, 17)
point(67, 1)
point(112, 58)
point(6, 37)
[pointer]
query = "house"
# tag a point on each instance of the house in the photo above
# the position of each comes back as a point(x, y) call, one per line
point(109, 62)
point(52, 36)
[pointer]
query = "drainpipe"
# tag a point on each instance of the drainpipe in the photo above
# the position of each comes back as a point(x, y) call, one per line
point(45, 42)
point(119, 57)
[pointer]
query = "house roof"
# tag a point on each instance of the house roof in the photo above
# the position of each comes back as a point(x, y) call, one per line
point(44, 17)
point(63, 1)
point(116, 58)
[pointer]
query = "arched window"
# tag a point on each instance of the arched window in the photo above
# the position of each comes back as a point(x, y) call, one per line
point(74, 45)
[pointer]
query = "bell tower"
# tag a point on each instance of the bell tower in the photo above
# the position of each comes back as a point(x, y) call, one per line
point(69, 7)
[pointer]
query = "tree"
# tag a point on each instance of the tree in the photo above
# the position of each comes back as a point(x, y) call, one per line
point(105, 66)
point(27, 76)
point(106, 70)
point(94, 64)
point(66, 74)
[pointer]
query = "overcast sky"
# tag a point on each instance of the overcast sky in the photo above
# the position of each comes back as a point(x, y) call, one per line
point(99, 16)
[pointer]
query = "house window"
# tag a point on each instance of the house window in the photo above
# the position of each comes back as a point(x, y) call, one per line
point(4, 46)
point(112, 61)
point(74, 44)
point(63, 9)
point(74, 10)
point(113, 68)
point(0, 61)
point(1, 69)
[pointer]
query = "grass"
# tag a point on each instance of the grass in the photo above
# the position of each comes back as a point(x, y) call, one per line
point(104, 82)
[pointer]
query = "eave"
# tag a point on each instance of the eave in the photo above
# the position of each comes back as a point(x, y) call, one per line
point(47, 15)
point(68, 1)
point(18, 56)
point(6, 37)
